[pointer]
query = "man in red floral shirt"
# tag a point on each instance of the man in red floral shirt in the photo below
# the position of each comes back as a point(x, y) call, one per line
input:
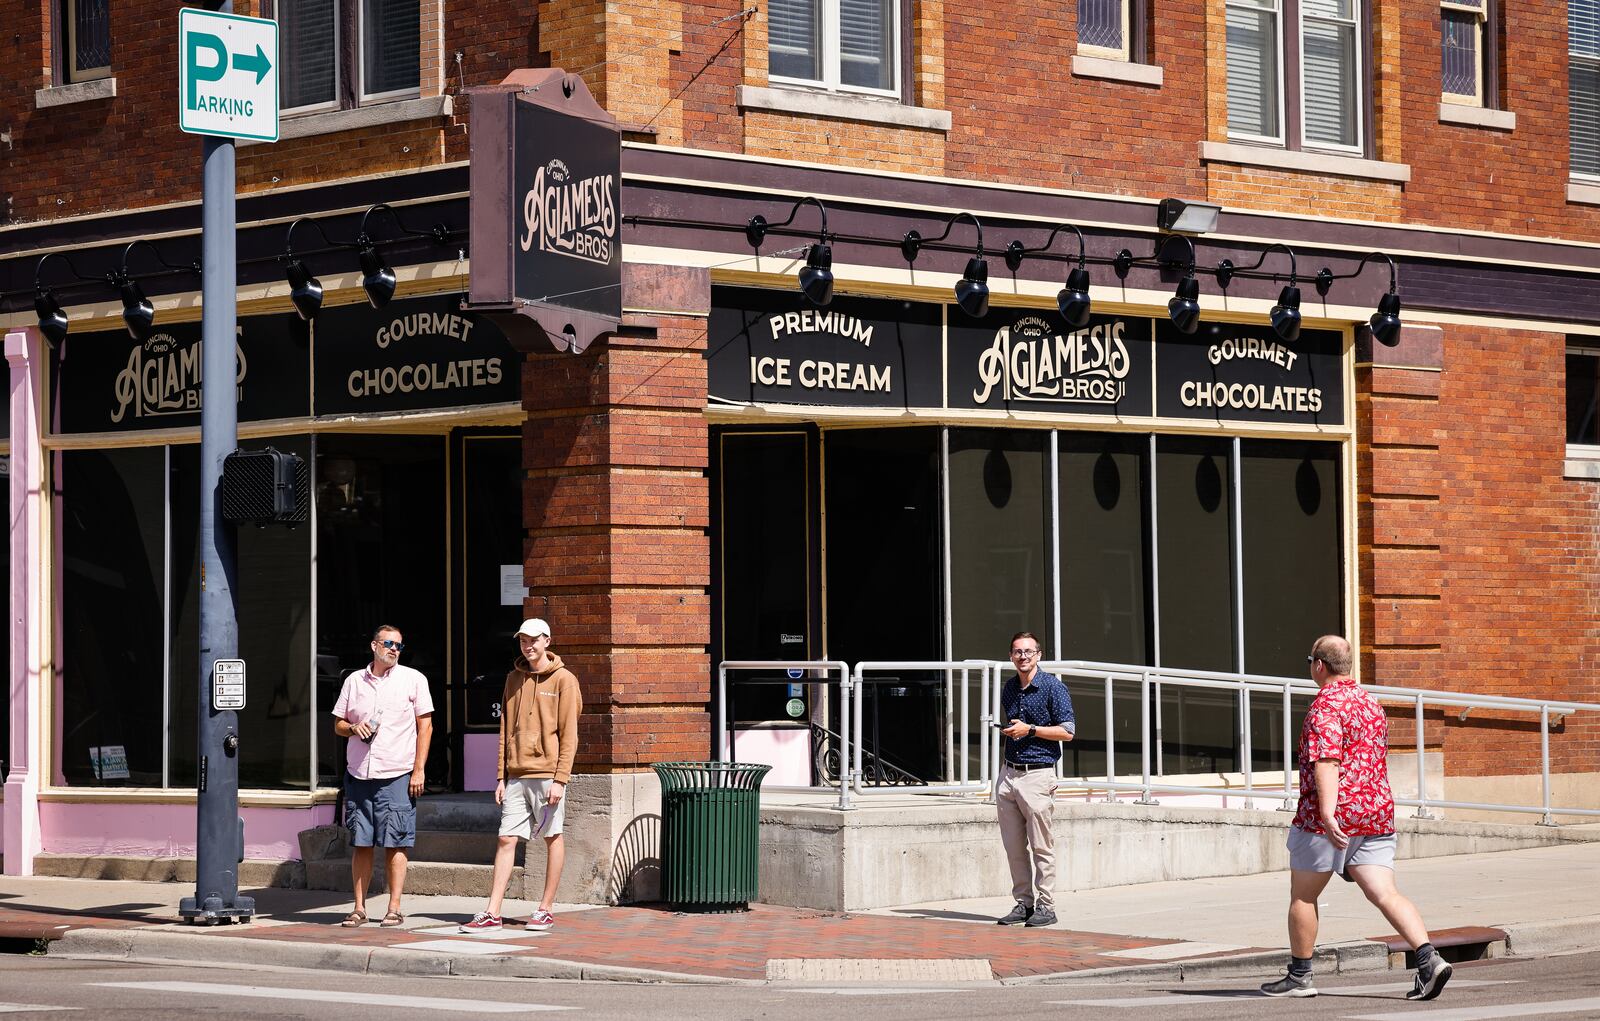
point(1346, 822)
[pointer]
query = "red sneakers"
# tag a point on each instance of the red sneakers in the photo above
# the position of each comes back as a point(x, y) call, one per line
point(541, 921)
point(481, 922)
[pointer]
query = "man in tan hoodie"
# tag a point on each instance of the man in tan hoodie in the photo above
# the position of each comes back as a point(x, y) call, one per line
point(538, 742)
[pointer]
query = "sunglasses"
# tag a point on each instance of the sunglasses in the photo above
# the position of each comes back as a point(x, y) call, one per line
point(390, 643)
point(1312, 659)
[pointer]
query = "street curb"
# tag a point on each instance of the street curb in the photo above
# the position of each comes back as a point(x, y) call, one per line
point(1338, 958)
point(1559, 936)
point(188, 947)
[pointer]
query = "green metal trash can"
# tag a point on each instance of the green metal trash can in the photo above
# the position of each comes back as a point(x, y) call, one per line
point(710, 834)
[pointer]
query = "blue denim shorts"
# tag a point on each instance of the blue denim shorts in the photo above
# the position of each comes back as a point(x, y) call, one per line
point(380, 812)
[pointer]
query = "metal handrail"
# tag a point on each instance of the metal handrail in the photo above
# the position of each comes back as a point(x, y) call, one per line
point(949, 667)
point(828, 666)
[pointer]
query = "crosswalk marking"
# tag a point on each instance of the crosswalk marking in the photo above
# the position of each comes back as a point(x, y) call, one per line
point(335, 996)
point(1588, 1005)
point(1200, 996)
point(22, 1008)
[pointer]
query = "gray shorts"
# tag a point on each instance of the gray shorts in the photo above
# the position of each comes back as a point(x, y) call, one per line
point(1314, 852)
point(380, 812)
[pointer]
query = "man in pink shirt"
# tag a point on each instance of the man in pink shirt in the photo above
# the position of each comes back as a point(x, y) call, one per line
point(386, 711)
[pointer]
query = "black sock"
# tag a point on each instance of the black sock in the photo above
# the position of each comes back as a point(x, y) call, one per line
point(1425, 956)
point(1299, 966)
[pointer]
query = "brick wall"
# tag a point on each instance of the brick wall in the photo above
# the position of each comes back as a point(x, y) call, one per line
point(617, 508)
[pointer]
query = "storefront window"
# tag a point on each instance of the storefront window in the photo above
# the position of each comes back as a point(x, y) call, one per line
point(111, 668)
point(1293, 585)
point(380, 539)
point(1105, 587)
point(999, 561)
point(1194, 536)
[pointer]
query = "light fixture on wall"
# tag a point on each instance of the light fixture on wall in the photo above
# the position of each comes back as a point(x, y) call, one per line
point(1385, 321)
point(1184, 217)
point(816, 276)
point(1184, 307)
point(305, 290)
point(972, 290)
point(137, 312)
point(377, 278)
point(1073, 299)
point(1285, 315)
point(52, 317)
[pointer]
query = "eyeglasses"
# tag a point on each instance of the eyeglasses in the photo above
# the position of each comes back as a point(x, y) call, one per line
point(1312, 659)
point(390, 643)
point(1024, 653)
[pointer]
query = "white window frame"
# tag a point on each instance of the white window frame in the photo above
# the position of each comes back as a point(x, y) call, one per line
point(1572, 58)
point(1357, 75)
point(1280, 98)
point(69, 45)
point(361, 68)
point(1480, 16)
point(1109, 52)
point(829, 60)
point(1580, 451)
point(338, 62)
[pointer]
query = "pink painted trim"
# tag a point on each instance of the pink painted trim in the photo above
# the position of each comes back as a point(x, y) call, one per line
point(167, 831)
point(480, 753)
point(20, 825)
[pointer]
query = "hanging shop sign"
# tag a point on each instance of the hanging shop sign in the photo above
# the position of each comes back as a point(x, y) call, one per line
point(769, 347)
point(546, 208)
point(411, 355)
point(1029, 360)
point(1232, 372)
point(109, 382)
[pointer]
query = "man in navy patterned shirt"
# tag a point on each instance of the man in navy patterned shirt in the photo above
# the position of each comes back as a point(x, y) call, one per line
point(1038, 714)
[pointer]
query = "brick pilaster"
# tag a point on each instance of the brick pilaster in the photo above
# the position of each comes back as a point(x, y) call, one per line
point(617, 510)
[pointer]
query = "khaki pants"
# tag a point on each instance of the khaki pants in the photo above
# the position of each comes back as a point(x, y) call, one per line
point(1025, 800)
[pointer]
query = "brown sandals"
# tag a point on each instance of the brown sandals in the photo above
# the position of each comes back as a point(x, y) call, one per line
point(392, 919)
point(354, 919)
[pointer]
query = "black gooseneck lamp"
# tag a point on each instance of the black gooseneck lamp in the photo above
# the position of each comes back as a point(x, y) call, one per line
point(816, 277)
point(972, 290)
point(137, 312)
point(1184, 307)
point(1285, 315)
point(52, 317)
point(1385, 321)
point(377, 278)
point(305, 290)
point(1073, 299)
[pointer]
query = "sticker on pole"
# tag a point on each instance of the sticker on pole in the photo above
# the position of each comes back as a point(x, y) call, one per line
point(227, 75)
point(227, 684)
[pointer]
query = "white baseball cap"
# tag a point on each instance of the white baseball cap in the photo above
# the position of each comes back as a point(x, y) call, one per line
point(533, 627)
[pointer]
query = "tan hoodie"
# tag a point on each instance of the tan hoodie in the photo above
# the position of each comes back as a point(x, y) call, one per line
point(539, 721)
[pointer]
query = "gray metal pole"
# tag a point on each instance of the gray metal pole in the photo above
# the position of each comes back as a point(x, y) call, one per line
point(219, 832)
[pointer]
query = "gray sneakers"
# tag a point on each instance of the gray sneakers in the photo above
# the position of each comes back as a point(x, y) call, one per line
point(1291, 985)
point(1041, 917)
point(1432, 974)
point(1019, 914)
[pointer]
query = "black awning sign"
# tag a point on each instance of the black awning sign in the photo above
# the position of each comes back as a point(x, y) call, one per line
point(1018, 358)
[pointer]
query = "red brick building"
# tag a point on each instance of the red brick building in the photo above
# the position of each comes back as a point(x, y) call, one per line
point(916, 480)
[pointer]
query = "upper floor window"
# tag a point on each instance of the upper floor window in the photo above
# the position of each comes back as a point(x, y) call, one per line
point(1295, 74)
point(342, 53)
point(1104, 29)
point(1583, 86)
point(1583, 390)
point(1466, 52)
point(85, 39)
point(849, 45)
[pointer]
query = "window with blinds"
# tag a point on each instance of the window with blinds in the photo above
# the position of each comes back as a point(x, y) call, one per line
point(390, 47)
point(87, 42)
point(1328, 72)
point(1461, 44)
point(837, 44)
point(1103, 27)
point(308, 47)
point(1583, 86)
point(1254, 83)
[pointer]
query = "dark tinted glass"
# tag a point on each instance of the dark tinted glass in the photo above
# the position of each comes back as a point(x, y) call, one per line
point(1583, 370)
point(999, 560)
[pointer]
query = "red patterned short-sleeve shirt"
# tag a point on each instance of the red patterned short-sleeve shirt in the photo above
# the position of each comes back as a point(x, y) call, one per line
point(1346, 724)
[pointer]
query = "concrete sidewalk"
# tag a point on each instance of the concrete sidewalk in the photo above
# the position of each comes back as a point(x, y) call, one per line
point(1544, 900)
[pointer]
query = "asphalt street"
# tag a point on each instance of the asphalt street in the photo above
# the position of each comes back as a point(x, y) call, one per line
point(55, 988)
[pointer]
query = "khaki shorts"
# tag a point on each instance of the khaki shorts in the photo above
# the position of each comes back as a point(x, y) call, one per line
point(1314, 852)
point(526, 811)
